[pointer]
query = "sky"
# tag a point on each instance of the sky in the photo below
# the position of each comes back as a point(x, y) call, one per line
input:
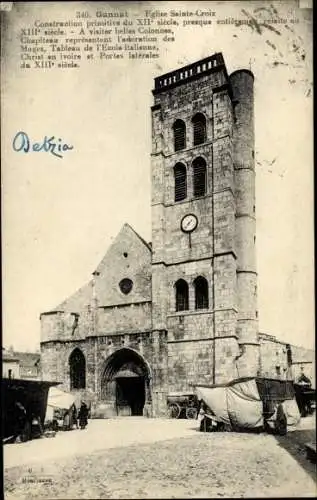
point(59, 216)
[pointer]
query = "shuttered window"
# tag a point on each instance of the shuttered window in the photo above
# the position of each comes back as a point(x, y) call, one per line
point(201, 293)
point(199, 129)
point(181, 290)
point(179, 135)
point(180, 178)
point(199, 177)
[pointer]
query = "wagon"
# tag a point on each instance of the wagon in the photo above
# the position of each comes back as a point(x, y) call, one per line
point(23, 408)
point(182, 405)
point(249, 403)
point(59, 404)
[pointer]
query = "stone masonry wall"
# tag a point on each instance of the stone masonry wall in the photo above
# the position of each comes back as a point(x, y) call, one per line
point(151, 346)
point(190, 333)
point(189, 363)
point(274, 361)
point(125, 319)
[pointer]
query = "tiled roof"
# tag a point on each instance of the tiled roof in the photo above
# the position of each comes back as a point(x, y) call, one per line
point(27, 358)
point(9, 356)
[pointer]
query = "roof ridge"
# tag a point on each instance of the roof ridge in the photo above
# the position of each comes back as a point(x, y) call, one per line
point(130, 228)
point(59, 308)
point(137, 234)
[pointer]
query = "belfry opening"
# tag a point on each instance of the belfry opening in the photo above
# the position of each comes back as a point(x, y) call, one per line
point(126, 382)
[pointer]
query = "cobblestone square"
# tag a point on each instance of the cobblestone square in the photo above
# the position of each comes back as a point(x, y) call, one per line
point(160, 458)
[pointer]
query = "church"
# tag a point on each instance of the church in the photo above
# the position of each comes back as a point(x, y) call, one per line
point(158, 317)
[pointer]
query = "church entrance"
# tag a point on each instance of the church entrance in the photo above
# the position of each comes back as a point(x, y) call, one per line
point(126, 382)
point(130, 394)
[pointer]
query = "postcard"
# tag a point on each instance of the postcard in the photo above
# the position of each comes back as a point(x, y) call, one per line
point(158, 249)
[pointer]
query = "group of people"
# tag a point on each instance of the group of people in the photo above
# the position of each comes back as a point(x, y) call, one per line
point(25, 424)
point(73, 418)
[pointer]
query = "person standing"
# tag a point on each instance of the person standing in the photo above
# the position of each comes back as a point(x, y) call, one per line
point(67, 421)
point(74, 417)
point(83, 415)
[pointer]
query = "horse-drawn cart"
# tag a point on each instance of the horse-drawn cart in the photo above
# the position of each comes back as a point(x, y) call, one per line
point(249, 403)
point(182, 405)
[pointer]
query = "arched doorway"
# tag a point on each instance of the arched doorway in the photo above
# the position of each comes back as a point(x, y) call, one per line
point(126, 382)
point(77, 369)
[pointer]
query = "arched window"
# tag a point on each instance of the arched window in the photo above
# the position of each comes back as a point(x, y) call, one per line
point(77, 368)
point(199, 129)
point(179, 135)
point(180, 178)
point(181, 289)
point(199, 176)
point(201, 293)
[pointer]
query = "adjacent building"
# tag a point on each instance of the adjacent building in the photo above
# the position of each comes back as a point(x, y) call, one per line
point(21, 365)
point(10, 365)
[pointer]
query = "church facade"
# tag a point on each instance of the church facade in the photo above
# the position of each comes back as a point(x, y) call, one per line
point(158, 317)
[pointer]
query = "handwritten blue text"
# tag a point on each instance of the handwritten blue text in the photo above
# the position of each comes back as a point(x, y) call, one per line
point(56, 147)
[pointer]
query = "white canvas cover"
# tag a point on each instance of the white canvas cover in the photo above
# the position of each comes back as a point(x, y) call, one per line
point(239, 404)
point(216, 399)
point(291, 411)
point(245, 407)
point(58, 399)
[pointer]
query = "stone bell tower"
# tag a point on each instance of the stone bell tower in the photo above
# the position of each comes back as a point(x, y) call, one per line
point(203, 224)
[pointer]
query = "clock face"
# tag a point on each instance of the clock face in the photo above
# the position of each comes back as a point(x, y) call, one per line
point(189, 223)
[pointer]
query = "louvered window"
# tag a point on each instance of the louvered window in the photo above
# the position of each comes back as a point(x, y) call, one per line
point(199, 177)
point(201, 293)
point(199, 129)
point(180, 178)
point(181, 289)
point(179, 135)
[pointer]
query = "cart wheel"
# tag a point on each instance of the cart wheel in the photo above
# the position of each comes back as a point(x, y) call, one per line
point(191, 412)
point(173, 410)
